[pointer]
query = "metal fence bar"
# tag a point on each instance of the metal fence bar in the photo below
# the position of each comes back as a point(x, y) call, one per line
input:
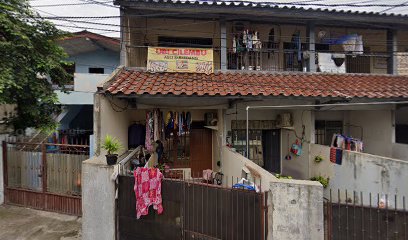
point(355, 218)
point(5, 165)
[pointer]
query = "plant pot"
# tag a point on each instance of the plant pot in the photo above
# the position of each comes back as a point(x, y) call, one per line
point(111, 159)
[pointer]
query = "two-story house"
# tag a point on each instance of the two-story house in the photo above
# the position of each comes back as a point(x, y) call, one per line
point(92, 57)
point(234, 86)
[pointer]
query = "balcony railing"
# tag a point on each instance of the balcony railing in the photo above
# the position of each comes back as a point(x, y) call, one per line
point(292, 60)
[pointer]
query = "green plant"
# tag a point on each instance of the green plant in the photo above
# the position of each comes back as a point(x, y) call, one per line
point(111, 144)
point(279, 176)
point(318, 159)
point(324, 181)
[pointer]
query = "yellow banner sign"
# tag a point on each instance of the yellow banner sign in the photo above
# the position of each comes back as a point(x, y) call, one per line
point(192, 60)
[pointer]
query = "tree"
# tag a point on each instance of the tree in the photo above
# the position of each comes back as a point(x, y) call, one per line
point(30, 63)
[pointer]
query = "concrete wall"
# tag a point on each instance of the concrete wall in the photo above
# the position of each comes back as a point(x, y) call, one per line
point(98, 200)
point(295, 208)
point(298, 165)
point(378, 130)
point(106, 59)
point(110, 119)
point(88, 82)
point(361, 172)
point(400, 151)
point(74, 98)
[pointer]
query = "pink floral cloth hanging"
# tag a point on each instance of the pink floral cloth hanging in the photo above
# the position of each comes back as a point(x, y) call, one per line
point(148, 190)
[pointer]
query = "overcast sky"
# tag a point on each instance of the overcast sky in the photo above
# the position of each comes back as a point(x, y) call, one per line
point(48, 8)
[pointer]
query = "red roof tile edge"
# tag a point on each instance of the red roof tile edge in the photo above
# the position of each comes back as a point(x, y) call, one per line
point(136, 81)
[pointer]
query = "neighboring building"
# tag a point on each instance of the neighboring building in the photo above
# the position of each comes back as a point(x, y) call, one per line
point(94, 58)
point(244, 71)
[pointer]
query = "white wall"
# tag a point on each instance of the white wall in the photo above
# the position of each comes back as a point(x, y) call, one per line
point(361, 172)
point(74, 98)
point(378, 130)
point(400, 151)
point(298, 166)
point(88, 82)
point(110, 119)
point(98, 200)
point(106, 59)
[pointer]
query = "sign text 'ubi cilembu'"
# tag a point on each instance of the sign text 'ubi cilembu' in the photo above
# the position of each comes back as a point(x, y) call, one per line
point(192, 60)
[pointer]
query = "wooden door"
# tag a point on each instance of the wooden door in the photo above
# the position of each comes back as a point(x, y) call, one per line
point(200, 151)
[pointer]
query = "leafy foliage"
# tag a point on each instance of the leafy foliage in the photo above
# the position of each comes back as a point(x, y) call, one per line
point(111, 144)
point(280, 176)
point(324, 181)
point(30, 63)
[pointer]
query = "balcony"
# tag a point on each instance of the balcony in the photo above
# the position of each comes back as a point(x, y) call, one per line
point(285, 60)
point(85, 85)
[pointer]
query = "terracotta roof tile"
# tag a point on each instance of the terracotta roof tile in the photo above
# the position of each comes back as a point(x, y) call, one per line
point(139, 82)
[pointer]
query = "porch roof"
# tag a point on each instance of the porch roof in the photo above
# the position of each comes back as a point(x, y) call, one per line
point(131, 81)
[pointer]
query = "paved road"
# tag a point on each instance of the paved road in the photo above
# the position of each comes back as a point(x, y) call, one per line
point(27, 224)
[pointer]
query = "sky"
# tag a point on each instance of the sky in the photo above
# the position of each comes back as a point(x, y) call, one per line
point(110, 26)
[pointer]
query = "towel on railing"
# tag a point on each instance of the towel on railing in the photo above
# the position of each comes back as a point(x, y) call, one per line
point(336, 155)
point(148, 190)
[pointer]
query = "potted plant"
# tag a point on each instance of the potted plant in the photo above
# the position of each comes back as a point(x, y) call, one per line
point(112, 145)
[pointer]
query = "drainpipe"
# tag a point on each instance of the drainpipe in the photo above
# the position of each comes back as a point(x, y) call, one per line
point(247, 132)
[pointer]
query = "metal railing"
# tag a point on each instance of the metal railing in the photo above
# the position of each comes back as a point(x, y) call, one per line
point(276, 58)
point(357, 215)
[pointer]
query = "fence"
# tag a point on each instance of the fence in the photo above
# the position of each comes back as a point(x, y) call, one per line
point(193, 210)
point(44, 176)
point(365, 216)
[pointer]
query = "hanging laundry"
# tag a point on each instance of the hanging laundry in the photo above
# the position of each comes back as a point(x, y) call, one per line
point(188, 121)
point(180, 125)
point(147, 190)
point(257, 41)
point(234, 45)
point(149, 133)
point(176, 121)
point(156, 130)
point(336, 155)
point(162, 127)
point(245, 39)
point(250, 40)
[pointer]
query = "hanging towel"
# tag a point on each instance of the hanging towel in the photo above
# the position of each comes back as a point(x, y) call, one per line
point(156, 130)
point(336, 155)
point(147, 190)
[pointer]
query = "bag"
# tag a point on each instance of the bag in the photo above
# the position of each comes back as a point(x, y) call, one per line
point(296, 148)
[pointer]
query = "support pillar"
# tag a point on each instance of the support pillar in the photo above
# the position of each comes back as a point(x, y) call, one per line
point(311, 42)
point(223, 44)
point(122, 39)
point(392, 48)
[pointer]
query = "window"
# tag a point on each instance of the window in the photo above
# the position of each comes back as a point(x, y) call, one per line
point(96, 70)
point(324, 131)
point(185, 42)
point(401, 125)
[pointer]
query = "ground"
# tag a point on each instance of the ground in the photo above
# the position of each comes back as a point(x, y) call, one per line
point(22, 223)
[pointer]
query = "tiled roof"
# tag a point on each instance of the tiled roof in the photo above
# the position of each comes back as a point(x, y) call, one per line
point(394, 8)
point(236, 83)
